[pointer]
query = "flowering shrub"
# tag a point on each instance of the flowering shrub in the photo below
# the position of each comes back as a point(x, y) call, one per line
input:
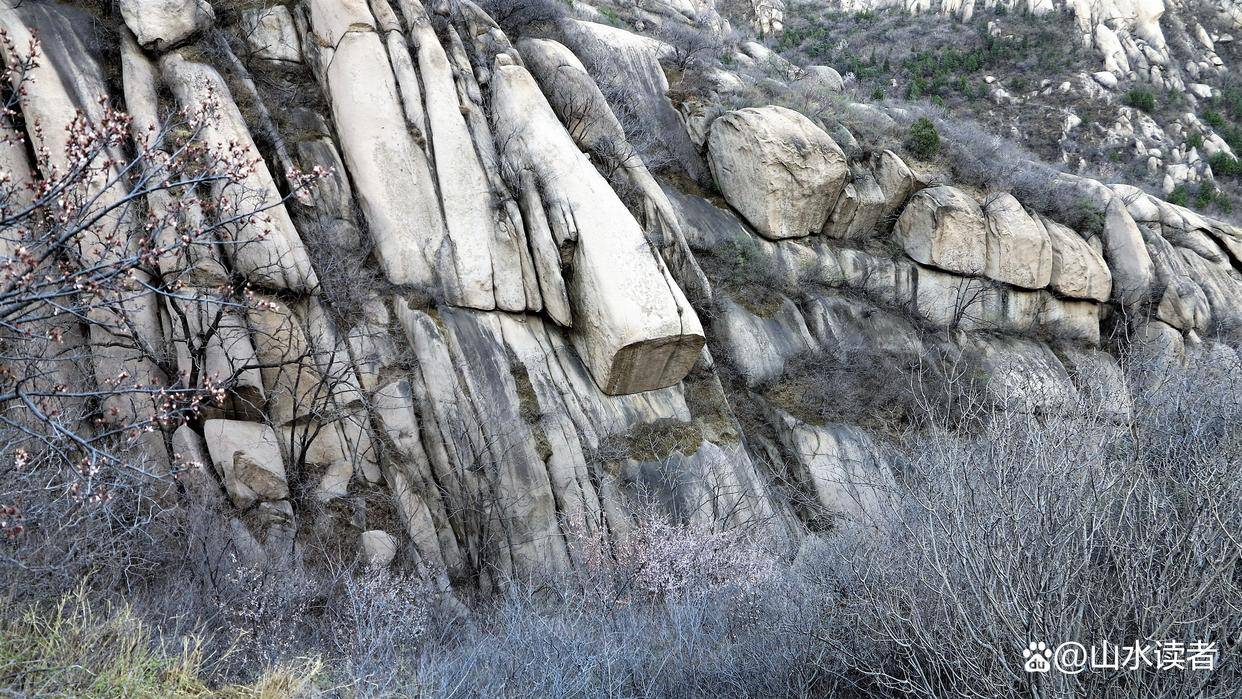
point(116, 303)
point(262, 612)
point(381, 605)
point(659, 559)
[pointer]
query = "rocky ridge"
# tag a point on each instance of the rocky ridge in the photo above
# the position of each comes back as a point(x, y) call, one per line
point(553, 339)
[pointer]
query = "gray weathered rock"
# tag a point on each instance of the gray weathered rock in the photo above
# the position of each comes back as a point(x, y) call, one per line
point(627, 66)
point(1024, 375)
point(760, 346)
point(827, 77)
point(248, 459)
point(859, 208)
point(840, 464)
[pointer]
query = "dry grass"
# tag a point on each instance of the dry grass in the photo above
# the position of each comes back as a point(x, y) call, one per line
point(79, 648)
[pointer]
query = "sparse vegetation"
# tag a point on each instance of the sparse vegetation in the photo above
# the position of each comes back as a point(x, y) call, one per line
point(76, 647)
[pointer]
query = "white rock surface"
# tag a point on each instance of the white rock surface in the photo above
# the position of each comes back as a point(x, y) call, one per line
point(164, 24)
point(777, 168)
point(945, 228)
point(390, 172)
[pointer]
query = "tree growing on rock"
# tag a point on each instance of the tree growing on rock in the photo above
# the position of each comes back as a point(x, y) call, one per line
point(120, 317)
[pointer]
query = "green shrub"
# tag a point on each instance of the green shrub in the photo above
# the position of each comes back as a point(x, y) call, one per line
point(1180, 196)
point(1195, 140)
point(877, 94)
point(1140, 99)
point(1225, 165)
point(1214, 119)
point(923, 141)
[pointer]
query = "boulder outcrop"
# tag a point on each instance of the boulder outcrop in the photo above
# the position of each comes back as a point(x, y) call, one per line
point(778, 169)
point(632, 323)
point(483, 334)
point(164, 24)
point(944, 227)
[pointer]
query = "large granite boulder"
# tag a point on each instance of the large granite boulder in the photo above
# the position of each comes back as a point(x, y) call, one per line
point(1128, 259)
point(1078, 271)
point(163, 24)
point(778, 169)
point(943, 227)
point(1019, 252)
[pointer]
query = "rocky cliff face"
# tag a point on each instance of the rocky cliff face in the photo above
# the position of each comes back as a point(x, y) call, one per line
point(533, 332)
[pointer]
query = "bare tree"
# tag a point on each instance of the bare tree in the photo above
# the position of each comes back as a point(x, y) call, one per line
point(120, 317)
point(691, 45)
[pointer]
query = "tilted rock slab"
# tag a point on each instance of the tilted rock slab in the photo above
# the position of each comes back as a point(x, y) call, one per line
point(631, 322)
point(487, 264)
point(582, 107)
point(778, 169)
point(628, 65)
point(66, 83)
point(391, 173)
point(269, 250)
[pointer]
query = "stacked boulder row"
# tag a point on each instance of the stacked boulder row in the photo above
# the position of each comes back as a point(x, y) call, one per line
point(1015, 281)
point(463, 414)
